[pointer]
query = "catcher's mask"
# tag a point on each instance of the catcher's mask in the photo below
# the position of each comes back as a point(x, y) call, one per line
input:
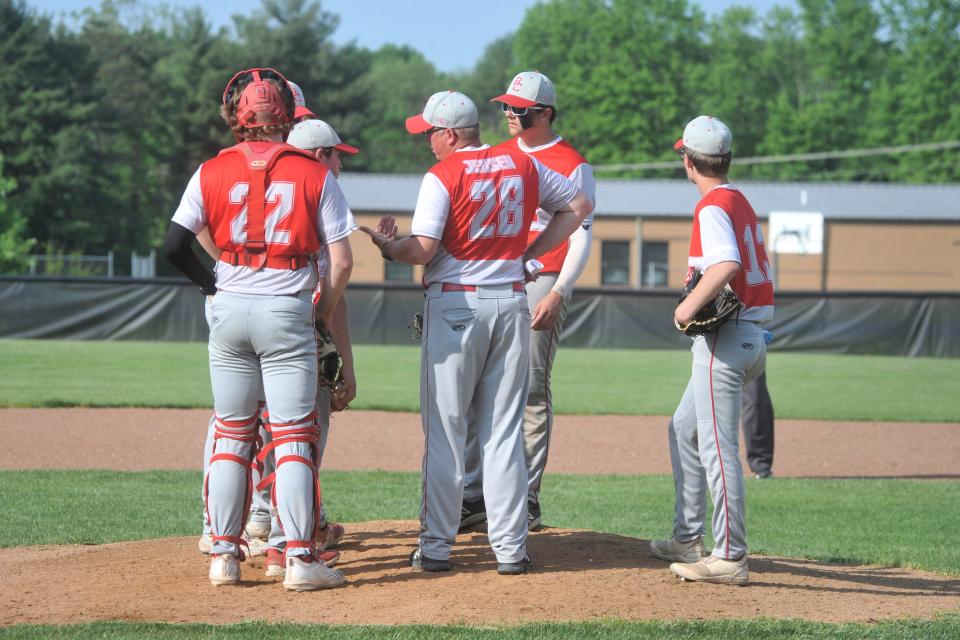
point(261, 103)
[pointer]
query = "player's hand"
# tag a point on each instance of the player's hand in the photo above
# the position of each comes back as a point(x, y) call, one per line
point(546, 312)
point(378, 238)
point(684, 313)
point(388, 227)
point(344, 393)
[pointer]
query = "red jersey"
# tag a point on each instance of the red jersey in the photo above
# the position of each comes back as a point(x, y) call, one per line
point(294, 186)
point(493, 195)
point(725, 228)
point(564, 159)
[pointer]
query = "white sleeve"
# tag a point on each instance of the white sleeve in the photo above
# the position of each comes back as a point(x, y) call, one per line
point(556, 190)
point(190, 214)
point(334, 216)
point(576, 260)
point(582, 176)
point(433, 207)
point(717, 239)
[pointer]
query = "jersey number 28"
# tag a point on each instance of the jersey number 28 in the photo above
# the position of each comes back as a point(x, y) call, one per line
point(507, 198)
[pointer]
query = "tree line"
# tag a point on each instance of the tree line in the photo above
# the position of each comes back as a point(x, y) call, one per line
point(108, 117)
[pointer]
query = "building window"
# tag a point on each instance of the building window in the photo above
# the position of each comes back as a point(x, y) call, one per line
point(615, 262)
point(654, 264)
point(397, 271)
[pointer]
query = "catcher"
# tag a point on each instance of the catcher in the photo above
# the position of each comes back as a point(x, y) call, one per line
point(728, 276)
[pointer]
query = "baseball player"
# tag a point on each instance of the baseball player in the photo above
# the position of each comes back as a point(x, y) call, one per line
point(319, 139)
point(262, 200)
point(726, 245)
point(529, 106)
point(469, 228)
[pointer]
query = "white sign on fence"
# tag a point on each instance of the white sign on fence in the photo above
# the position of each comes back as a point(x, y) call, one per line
point(795, 232)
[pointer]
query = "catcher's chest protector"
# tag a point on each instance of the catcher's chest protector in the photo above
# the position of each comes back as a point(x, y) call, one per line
point(248, 243)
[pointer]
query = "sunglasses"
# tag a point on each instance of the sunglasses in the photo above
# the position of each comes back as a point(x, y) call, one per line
point(519, 111)
point(429, 132)
point(252, 75)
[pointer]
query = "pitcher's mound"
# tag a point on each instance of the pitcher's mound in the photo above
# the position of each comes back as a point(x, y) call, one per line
point(578, 575)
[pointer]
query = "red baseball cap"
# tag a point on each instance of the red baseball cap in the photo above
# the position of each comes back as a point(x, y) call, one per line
point(528, 89)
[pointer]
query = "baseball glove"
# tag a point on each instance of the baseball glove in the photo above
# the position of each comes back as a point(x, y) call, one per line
point(416, 326)
point(329, 361)
point(713, 314)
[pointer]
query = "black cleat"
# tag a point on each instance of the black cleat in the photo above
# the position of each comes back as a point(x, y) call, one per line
point(515, 568)
point(422, 562)
point(534, 519)
point(472, 513)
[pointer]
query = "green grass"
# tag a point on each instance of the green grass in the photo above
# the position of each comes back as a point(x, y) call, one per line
point(633, 382)
point(889, 522)
point(942, 628)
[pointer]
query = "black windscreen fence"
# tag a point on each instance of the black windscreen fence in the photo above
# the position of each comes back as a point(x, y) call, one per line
point(915, 324)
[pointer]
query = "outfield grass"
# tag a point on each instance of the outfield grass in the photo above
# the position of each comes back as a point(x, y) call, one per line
point(888, 522)
point(47, 373)
point(941, 629)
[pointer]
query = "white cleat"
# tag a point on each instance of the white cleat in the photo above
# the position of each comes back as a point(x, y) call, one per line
point(255, 546)
point(673, 551)
point(310, 576)
point(224, 569)
point(713, 569)
point(257, 529)
point(205, 544)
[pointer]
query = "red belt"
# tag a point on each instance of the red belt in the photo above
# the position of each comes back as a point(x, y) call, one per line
point(449, 286)
point(244, 259)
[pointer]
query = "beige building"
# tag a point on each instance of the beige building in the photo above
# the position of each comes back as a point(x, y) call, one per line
point(873, 237)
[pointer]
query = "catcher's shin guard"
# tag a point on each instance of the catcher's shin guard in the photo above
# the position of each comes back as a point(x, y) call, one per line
point(235, 441)
point(303, 431)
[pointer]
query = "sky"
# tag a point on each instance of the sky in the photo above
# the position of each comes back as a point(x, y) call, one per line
point(425, 25)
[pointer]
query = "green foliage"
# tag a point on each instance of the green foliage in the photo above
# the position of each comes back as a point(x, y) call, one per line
point(14, 247)
point(56, 373)
point(887, 522)
point(106, 121)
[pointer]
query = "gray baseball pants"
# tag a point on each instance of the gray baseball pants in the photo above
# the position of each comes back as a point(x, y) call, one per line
point(473, 376)
point(538, 416)
point(268, 340)
point(703, 435)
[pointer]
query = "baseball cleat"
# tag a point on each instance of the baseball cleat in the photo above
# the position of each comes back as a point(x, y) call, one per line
point(472, 513)
point(515, 568)
point(205, 544)
point(713, 569)
point(258, 529)
point(674, 551)
point(306, 573)
point(422, 562)
point(224, 570)
point(255, 546)
point(274, 564)
point(534, 519)
point(330, 536)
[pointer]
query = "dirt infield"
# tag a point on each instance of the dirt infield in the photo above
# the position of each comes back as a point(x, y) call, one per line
point(116, 439)
point(580, 575)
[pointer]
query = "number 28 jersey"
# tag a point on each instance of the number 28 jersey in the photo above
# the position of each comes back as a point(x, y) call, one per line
point(725, 229)
point(480, 202)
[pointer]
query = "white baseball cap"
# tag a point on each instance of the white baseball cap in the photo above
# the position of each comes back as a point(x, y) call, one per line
point(445, 110)
point(317, 134)
point(707, 135)
point(300, 109)
point(528, 89)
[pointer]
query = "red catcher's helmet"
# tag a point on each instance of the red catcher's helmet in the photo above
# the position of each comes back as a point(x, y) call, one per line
point(261, 103)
